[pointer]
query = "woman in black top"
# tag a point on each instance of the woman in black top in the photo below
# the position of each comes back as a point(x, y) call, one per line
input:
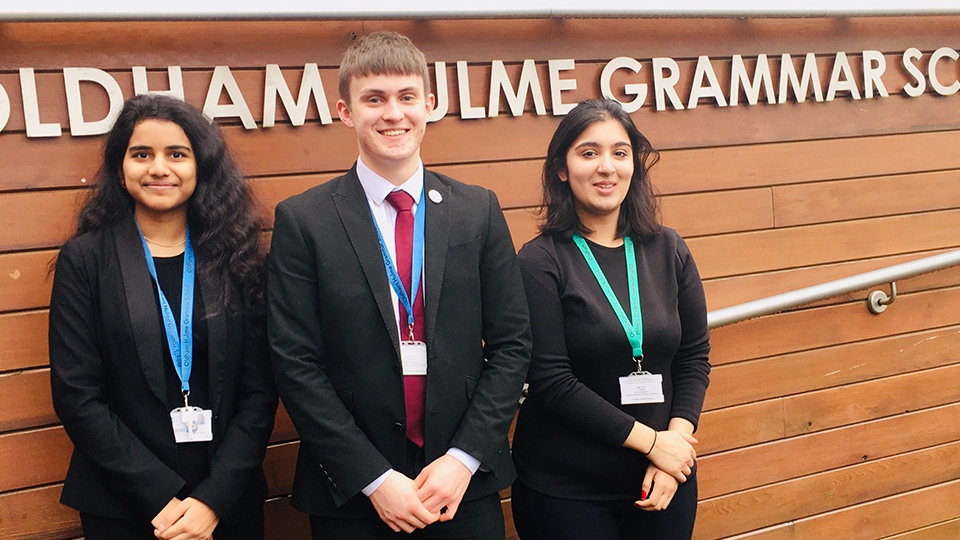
point(158, 356)
point(604, 451)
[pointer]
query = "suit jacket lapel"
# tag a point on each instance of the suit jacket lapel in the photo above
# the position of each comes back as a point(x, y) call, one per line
point(141, 306)
point(354, 213)
point(436, 240)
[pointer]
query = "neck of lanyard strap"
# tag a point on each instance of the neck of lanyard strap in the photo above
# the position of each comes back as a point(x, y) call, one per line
point(180, 342)
point(634, 327)
point(416, 262)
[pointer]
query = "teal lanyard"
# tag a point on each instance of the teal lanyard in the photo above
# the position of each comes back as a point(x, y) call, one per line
point(634, 328)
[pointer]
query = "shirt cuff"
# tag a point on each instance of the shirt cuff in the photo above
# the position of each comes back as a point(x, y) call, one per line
point(372, 486)
point(469, 461)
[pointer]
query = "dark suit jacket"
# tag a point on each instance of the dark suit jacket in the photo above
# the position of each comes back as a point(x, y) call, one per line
point(107, 374)
point(335, 345)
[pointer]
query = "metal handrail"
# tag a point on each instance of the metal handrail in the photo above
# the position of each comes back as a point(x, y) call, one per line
point(799, 297)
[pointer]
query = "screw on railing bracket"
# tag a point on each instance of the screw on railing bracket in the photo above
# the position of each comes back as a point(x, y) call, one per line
point(878, 301)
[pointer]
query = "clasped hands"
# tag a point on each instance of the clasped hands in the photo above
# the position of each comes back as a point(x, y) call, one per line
point(189, 519)
point(672, 459)
point(434, 495)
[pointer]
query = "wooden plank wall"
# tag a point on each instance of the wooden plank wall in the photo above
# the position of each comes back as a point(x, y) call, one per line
point(823, 422)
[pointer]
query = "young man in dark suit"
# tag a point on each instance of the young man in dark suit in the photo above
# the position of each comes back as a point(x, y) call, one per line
point(397, 324)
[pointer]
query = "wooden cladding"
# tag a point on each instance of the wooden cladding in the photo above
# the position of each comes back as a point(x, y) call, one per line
point(822, 422)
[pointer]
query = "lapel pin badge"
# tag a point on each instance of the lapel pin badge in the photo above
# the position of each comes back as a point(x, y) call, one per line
point(435, 196)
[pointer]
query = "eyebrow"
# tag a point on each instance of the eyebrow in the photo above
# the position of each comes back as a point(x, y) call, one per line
point(140, 147)
point(369, 91)
point(595, 144)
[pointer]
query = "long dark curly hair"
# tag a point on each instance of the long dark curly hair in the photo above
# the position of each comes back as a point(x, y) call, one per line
point(225, 222)
point(639, 213)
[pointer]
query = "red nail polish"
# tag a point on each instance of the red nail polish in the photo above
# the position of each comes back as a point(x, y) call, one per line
point(643, 495)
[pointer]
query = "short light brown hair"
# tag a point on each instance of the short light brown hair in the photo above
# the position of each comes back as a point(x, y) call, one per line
point(381, 53)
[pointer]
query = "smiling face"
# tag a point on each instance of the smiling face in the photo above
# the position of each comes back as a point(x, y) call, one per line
point(389, 114)
point(159, 168)
point(599, 167)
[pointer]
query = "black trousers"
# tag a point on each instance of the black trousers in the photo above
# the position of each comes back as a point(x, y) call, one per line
point(541, 517)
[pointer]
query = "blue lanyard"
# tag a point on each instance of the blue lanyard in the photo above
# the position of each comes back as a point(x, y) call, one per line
point(416, 262)
point(634, 328)
point(181, 346)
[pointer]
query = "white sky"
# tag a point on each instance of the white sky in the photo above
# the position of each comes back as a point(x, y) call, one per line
point(165, 9)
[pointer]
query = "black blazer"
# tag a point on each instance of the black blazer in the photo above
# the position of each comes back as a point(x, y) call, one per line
point(109, 388)
point(335, 344)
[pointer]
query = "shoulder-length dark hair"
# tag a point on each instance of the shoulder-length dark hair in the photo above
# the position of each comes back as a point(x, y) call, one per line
point(639, 213)
point(225, 222)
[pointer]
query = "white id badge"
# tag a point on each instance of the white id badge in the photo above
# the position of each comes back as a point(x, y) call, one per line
point(638, 388)
point(413, 356)
point(192, 424)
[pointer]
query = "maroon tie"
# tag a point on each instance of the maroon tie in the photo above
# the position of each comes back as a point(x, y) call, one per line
point(414, 386)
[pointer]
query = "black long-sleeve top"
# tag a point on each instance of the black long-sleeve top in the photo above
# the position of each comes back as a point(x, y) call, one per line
point(571, 429)
point(192, 462)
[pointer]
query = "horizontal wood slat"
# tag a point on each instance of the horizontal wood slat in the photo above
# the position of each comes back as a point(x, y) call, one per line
point(597, 38)
point(873, 519)
point(872, 399)
point(762, 464)
point(822, 202)
point(25, 280)
point(23, 340)
point(718, 212)
point(111, 45)
point(37, 514)
point(34, 458)
point(516, 183)
point(946, 530)
point(704, 169)
point(38, 219)
point(824, 409)
point(27, 402)
point(830, 367)
point(760, 251)
point(820, 327)
point(116, 44)
point(836, 489)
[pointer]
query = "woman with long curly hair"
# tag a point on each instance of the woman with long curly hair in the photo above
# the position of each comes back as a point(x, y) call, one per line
point(158, 358)
point(604, 441)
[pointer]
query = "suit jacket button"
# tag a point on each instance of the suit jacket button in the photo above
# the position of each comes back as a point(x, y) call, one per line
point(399, 427)
point(397, 370)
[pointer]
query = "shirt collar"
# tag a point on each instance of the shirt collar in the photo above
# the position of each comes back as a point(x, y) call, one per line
point(377, 187)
